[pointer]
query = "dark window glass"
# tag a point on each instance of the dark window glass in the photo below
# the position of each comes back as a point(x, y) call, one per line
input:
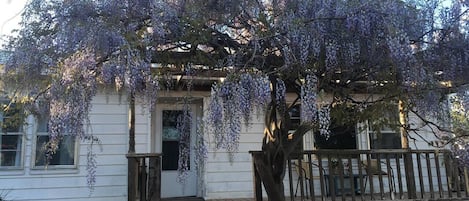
point(171, 138)
point(10, 150)
point(64, 155)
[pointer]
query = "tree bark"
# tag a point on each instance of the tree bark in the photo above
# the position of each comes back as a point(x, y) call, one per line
point(272, 181)
point(131, 123)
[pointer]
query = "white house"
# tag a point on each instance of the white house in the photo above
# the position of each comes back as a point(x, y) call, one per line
point(24, 177)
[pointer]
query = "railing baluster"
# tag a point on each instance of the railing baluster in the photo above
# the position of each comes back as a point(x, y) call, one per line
point(449, 172)
point(321, 178)
point(370, 176)
point(290, 179)
point(399, 175)
point(361, 177)
point(466, 181)
point(457, 180)
point(311, 177)
point(302, 176)
point(351, 177)
point(438, 173)
point(430, 175)
point(380, 176)
point(341, 169)
point(331, 178)
point(419, 168)
point(390, 176)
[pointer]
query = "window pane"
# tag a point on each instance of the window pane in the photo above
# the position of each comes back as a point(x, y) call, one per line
point(10, 151)
point(385, 141)
point(43, 125)
point(11, 119)
point(64, 155)
point(171, 137)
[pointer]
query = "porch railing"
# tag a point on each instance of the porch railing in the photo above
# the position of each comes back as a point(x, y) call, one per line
point(373, 175)
point(144, 177)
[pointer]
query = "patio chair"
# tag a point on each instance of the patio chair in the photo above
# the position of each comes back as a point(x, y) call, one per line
point(303, 173)
point(373, 168)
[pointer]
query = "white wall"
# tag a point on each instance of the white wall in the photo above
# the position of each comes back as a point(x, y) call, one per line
point(225, 179)
point(109, 117)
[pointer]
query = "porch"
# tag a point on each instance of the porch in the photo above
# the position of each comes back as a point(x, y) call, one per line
point(395, 174)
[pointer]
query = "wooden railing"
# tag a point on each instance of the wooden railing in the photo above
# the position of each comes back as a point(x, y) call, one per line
point(144, 177)
point(373, 174)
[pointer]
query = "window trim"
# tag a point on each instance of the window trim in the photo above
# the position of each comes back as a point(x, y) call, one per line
point(21, 132)
point(52, 167)
point(22, 150)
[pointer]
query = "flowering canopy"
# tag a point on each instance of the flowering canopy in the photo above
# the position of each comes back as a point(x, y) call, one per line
point(409, 51)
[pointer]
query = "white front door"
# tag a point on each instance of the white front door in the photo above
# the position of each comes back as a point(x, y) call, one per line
point(167, 143)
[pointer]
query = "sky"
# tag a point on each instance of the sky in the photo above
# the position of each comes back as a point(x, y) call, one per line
point(10, 15)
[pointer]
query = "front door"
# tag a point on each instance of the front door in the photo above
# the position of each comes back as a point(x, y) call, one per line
point(167, 143)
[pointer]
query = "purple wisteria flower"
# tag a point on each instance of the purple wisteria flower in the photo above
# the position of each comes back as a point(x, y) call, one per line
point(324, 121)
point(183, 126)
point(309, 111)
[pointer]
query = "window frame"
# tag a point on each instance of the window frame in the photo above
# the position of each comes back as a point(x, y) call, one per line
point(21, 150)
point(383, 132)
point(295, 122)
point(20, 132)
point(38, 133)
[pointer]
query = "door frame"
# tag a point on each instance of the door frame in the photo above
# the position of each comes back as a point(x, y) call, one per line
point(157, 140)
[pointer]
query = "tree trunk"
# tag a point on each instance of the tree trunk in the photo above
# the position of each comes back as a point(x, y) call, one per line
point(131, 123)
point(271, 177)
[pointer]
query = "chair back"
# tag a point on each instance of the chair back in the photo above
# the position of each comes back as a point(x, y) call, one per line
point(373, 168)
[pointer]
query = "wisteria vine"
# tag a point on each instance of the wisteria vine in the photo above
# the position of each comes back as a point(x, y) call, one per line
point(183, 126)
point(227, 107)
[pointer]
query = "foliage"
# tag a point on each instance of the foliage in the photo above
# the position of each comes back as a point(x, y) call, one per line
point(413, 52)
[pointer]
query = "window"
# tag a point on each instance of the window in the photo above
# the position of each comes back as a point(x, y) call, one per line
point(64, 156)
point(171, 137)
point(384, 133)
point(295, 121)
point(385, 139)
point(342, 129)
point(11, 135)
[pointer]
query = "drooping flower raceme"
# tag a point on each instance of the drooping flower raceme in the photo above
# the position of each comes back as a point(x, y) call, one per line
point(183, 126)
point(309, 111)
point(228, 105)
point(324, 121)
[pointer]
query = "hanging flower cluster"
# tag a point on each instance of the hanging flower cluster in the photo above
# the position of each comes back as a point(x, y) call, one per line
point(308, 99)
point(70, 102)
point(200, 146)
point(461, 151)
point(280, 95)
point(232, 101)
point(183, 126)
point(324, 121)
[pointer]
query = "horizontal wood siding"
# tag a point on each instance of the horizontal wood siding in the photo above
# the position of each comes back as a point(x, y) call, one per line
point(109, 122)
point(232, 179)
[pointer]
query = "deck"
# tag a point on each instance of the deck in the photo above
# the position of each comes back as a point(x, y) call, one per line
point(330, 175)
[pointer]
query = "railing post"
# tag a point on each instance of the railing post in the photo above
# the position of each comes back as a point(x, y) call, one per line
point(154, 177)
point(142, 178)
point(257, 178)
point(131, 183)
point(409, 176)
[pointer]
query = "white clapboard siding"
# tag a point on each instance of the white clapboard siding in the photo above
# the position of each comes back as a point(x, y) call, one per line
point(109, 122)
point(233, 179)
